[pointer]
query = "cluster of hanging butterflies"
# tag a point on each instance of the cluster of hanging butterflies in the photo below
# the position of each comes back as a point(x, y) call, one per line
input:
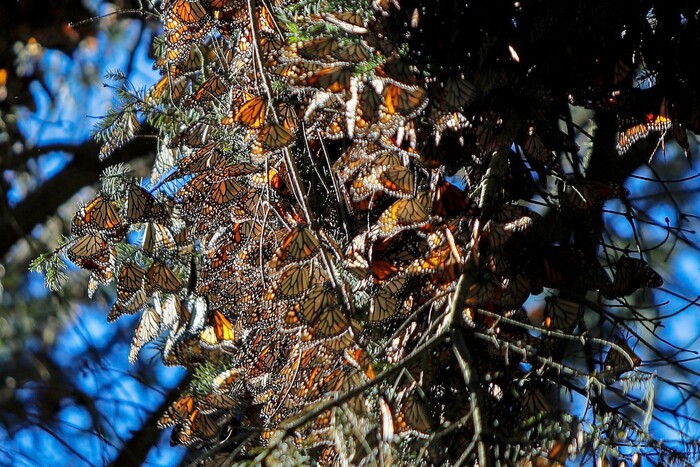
point(292, 288)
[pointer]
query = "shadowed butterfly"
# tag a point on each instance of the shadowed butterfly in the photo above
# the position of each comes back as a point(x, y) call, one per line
point(632, 274)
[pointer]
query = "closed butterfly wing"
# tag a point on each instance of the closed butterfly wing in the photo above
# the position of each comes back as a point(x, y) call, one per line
point(387, 303)
point(292, 282)
point(621, 359)
point(146, 331)
point(161, 277)
point(562, 314)
point(405, 102)
point(332, 79)
point(405, 214)
point(89, 249)
point(398, 181)
point(252, 114)
point(321, 312)
point(632, 274)
point(219, 331)
point(300, 245)
point(354, 52)
point(99, 215)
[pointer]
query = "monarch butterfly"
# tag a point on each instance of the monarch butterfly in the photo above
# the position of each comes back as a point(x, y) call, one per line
point(514, 290)
point(231, 17)
point(406, 214)
point(562, 314)
point(397, 181)
point(287, 115)
point(213, 403)
point(187, 11)
point(557, 266)
point(196, 135)
point(89, 248)
point(142, 206)
point(317, 49)
point(398, 72)
point(486, 290)
point(654, 123)
point(130, 278)
point(401, 249)
point(196, 187)
point(213, 88)
point(410, 417)
point(631, 275)
point(252, 113)
point(590, 195)
point(354, 52)
point(169, 87)
point(229, 381)
point(368, 181)
point(617, 362)
point(299, 245)
point(266, 355)
point(366, 113)
point(321, 312)
point(364, 185)
point(184, 22)
point(161, 277)
point(458, 93)
point(533, 402)
point(387, 302)
point(534, 149)
point(198, 427)
point(508, 221)
point(146, 331)
point(486, 136)
point(225, 191)
point(344, 340)
point(449, 200)
point(289, 72)
point(219, 253)
point(156, 238)
point(272, 179)
point(237, 170)
point(219, 332)
point(271, 137)
point(179, 411)
point(311, 387)
point(292, 282)
point(99, 215)
point(184, 350)
point(406, 102)
point(205, 158)
point(127, 303)
point(333, 79)
point(92, 252)
point(438, 259)
point(347, 20)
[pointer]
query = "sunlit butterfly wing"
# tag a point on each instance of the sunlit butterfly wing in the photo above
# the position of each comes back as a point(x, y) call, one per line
point(146, 331)
point(405, 214)
point(252, 113)
point(161, 277)
point(301, 244)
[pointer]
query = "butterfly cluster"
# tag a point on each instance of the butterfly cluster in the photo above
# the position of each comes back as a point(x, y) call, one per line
point(312, 213)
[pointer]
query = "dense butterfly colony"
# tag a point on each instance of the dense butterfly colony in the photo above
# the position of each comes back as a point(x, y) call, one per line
point(336, 239)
